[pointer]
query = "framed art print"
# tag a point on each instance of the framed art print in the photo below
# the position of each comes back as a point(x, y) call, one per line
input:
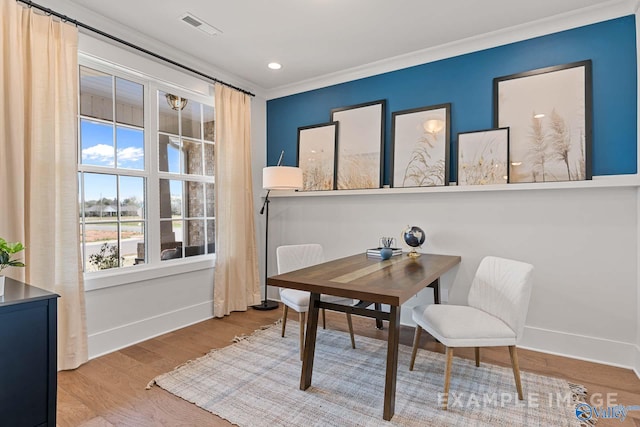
point(420, 146)
point(483, 157)
point(316, 156)
point(360, 145)
point(549, 115)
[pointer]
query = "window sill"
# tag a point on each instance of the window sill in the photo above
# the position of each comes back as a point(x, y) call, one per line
point(101, 280)
point(596, 182)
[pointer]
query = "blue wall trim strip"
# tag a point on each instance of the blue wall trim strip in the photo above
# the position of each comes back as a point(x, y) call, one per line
point(466, 82)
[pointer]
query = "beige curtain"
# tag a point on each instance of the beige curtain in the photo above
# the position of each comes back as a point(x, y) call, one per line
point(38, 182)
point(237, 283)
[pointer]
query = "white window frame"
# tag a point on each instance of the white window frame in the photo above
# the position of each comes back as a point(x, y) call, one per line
point(153, 267)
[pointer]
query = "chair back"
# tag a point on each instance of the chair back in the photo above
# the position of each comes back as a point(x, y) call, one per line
point(295, 257)
point(502, 288)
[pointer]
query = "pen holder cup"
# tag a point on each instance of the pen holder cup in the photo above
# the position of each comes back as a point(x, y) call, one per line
point(387, 242)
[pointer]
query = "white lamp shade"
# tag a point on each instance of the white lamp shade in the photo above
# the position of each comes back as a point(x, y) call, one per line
point(281, 178)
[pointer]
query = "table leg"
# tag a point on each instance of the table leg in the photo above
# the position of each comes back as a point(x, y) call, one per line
point(310, 341)
point(436, 290)
point(435, 285)
point(392, 363)
point(378, 307)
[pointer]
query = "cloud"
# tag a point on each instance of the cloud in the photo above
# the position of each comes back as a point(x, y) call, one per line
point(130, 155)
point(101, 154)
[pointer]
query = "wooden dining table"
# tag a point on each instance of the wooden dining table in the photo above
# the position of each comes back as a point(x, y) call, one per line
point(369, 280)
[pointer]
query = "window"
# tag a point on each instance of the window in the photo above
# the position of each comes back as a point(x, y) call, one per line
point(186, 183)
point(139, 156)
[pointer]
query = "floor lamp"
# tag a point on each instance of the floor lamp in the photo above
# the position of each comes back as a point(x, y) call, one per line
point(275, 178)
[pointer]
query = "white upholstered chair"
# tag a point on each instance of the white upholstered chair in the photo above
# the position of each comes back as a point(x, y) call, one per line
point(295, 257)
point(497, 308)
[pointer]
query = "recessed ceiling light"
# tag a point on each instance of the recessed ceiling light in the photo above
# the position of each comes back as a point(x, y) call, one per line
point(274, 65)
point(538, 116)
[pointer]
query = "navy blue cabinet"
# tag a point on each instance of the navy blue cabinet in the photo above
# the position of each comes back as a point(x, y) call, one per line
point(28, 364)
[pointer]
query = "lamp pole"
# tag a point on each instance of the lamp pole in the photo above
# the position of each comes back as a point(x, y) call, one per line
point(267, 304)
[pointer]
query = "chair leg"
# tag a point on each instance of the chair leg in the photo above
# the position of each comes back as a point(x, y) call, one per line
point(324, 320)
point(302, 321)
point(284, 318)
point(477, 356)
point(416, 340)
point(350, 323)
point(516, 369)
point(447, 378)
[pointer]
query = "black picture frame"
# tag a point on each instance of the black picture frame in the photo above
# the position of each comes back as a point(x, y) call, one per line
point(414, 133)
point(360, 148)
point(549, 113)
point(483, 157)
point(317, 145)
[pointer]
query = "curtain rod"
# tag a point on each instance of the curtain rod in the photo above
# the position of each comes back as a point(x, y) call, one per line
point(65, 18)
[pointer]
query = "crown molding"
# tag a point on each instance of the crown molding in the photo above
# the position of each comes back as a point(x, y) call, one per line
point(590, 15)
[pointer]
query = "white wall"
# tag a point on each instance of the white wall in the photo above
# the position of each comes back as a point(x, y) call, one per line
point(119, 316)
point(582, 242)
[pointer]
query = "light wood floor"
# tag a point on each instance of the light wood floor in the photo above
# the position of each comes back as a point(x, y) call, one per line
point(110, 390)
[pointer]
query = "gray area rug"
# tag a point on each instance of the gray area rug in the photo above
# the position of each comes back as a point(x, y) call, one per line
point(255, 382)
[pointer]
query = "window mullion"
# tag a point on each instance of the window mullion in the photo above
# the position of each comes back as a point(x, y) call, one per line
point(153, 183)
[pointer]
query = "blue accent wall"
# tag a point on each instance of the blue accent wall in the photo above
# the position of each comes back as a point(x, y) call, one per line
point(466, 81)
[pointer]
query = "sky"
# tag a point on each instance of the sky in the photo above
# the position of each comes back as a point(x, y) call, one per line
point(98, 149)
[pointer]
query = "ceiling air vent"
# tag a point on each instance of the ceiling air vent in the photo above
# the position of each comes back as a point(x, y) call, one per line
point(198, 23)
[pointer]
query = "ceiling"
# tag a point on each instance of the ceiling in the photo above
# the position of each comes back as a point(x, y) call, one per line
point(313, 38)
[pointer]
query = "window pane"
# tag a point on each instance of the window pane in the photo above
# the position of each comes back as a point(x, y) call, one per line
point(209, 159)
point(170, 240)
point(100, 196)
point(101, 246)
point(97, 143)
point(194, 238)
point(191, 120)
point(131, 197)
point(167, 116)
point(194, 199)
point(209, 121)
point(170, 198)
point(192, 154)
point(210, 197)
point(211, 236)
point(169, 154)
point(132, 243)
point(130, 143)
point(129, 102)
point(96, 94)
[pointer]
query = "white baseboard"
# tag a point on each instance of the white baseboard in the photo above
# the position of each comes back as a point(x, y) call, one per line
point(581, 347)
point(103, 342)
point(591, 349)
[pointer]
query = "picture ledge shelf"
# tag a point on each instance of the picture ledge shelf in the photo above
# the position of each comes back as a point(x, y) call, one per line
point(597, 182)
